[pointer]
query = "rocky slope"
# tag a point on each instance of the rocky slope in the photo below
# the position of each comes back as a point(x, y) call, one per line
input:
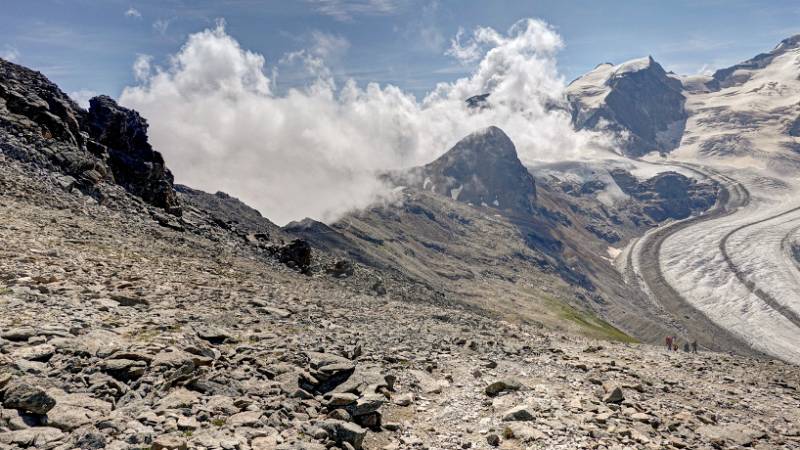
point(120, 333)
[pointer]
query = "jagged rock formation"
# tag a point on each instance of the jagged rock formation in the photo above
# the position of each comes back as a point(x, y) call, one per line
point(482, 169)
point(42, 125)
point(479, 101)
point(122, 135)
point(637, 101)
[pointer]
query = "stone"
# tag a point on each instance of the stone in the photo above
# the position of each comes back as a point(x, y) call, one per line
point(37, 437)
point(500, 386)
point(40, 353)
point(518, 414)
point(168, 442)
point(493, 439)
point(124, 370)
point(244, 419)
point(26, 397)
point(613, 393)
point(341, 399)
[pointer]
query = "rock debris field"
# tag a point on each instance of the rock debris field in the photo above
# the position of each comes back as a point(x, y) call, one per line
point(120, 330)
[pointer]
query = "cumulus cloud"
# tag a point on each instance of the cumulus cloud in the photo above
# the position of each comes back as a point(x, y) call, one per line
point(315, 151)
point(133, 12)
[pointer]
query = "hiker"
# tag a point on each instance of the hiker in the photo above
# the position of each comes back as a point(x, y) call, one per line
point(675, 344)
point(669, 343)
point(694, 346)
point(686, 347)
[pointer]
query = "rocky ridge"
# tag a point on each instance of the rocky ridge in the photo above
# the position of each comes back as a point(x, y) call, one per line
point(108, 144)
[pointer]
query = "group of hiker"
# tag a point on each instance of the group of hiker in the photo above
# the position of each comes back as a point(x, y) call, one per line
point(672, 345)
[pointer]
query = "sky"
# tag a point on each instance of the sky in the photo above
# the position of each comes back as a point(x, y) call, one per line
point(90, 45)
point(298, 107)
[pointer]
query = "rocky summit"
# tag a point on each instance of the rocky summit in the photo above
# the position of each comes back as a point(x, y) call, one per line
point(482, 169)
point(488, 305)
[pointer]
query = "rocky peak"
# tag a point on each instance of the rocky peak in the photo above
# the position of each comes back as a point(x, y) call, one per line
point(636, 100)
point(41, 125)
point(133, 162)
point(482, 169)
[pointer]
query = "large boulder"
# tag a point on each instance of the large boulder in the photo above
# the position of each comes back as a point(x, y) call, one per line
point(23, 396)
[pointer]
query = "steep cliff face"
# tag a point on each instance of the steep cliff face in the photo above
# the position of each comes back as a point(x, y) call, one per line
point(637, 101)
point(41, 125)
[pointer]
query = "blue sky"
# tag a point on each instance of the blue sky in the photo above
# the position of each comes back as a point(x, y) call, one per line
point(92, 44)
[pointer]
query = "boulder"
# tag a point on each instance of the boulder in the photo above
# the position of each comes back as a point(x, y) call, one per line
point(26, 397)
point(504, 385)
point(518, 414)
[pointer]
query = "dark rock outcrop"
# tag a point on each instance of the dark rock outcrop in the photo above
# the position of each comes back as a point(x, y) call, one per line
point(40, 124)
point(638, 101)
point(478, 101)
point(668, 195)
point(296, 254)
point(482, 169)
point(134, 164)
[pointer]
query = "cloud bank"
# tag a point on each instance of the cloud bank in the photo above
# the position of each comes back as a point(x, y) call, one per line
point(315, 151)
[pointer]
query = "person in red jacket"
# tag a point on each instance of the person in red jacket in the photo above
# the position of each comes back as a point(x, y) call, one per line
point(669, 343)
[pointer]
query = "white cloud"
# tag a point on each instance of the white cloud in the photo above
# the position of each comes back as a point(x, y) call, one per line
point(82, 97)
point(142, 67)
point(346, 10)
point(425, 30)
point(10, 53)
point(133, 12)
point(315, 151)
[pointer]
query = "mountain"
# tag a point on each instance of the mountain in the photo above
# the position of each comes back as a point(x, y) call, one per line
point(137, 313)
point(637, 101)
point(482, 169)
point(541, 258)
